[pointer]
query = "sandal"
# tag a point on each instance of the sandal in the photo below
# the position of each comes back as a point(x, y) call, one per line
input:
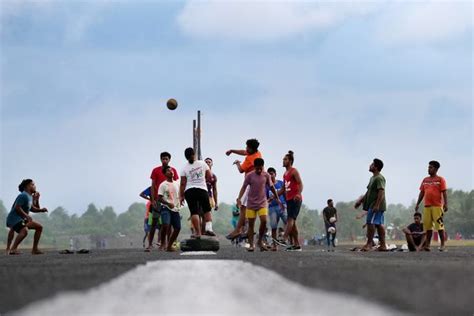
point(66, 252)
point(83, 251)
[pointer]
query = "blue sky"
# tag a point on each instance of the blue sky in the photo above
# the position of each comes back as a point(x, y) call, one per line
point(84, 83)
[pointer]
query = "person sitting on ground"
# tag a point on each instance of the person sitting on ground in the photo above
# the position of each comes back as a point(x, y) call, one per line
point(19, 219)
point(414, 233)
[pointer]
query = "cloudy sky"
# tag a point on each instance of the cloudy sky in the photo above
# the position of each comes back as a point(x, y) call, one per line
point(84, 85)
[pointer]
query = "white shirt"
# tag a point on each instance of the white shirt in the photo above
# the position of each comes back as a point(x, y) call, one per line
point(195, 174)
point(169, 191)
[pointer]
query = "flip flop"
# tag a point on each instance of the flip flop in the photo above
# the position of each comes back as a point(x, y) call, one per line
point(83, 251)
point(14, 253)
point(66, 252)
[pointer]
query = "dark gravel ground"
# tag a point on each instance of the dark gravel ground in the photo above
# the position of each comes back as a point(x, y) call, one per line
point(419, 283)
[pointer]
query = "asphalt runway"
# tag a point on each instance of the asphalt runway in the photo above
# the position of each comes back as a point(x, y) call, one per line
point(414, 283)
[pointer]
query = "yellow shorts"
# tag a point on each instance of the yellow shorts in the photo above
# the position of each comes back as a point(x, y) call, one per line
point(254, 213)
point(433, 215)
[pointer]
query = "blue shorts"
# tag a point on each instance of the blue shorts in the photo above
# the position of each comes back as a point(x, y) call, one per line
point(169, 217)
point(293, 208)
point(375, 218)
point(276, 213)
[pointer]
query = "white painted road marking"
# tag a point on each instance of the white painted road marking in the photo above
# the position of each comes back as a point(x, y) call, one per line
point(203, 287)
point(199, 253)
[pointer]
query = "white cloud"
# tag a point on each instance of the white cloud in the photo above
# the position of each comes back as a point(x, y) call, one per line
point(425, 22)
point(265, 20)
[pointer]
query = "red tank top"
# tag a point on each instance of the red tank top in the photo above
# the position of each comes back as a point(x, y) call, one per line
point(291, 186)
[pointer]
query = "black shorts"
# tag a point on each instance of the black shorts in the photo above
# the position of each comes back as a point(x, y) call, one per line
point(293, 208)
point(18, 227)
point(198, 201)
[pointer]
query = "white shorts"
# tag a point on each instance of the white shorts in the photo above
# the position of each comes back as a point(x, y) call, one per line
point(245, 197)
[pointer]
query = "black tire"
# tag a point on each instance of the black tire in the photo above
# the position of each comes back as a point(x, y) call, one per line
point(203, 244)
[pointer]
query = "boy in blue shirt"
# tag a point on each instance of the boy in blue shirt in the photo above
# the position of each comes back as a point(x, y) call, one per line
point(275, 212)
point(19, 219)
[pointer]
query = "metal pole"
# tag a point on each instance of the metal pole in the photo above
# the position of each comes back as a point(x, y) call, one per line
point(199, 135)
point(194, 136)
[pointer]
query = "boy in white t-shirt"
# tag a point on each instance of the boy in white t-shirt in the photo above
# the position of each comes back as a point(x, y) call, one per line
point(170, 217)
point(194, 189)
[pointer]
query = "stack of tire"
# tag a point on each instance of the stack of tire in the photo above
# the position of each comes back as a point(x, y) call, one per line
point(202, 244)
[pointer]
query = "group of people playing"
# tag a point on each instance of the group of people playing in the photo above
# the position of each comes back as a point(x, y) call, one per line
point(261, 195)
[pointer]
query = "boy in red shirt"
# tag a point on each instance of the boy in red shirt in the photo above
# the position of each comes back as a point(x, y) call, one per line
point(157, 177)
point(433, 191)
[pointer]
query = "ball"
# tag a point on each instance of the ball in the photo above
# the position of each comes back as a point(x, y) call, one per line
point(332, 230)
point(172, 104)
point(332, 219)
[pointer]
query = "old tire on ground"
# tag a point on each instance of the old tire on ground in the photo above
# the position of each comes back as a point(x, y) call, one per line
point(203, 244)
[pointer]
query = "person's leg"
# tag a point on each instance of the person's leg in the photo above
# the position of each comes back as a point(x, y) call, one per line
point(193, 205)
point(242, 219)
point(151, 234)
point(370, 230)
point(38, 228)
point(428, 226)
point(333, 241)
point(289, 228)
point(11, 235)
point(370, 237)
point(195, 221)
point(439, 225)
point(328, 236)
point(176, 224)
point(19, 238)
point(262, 214)
point(295, 234)
point(251, 232)
point(273, 215)
point(410, 242)
point(381, 232)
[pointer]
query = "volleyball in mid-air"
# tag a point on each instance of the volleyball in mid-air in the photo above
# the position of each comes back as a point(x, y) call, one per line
point(172, 104)
point(332, 230)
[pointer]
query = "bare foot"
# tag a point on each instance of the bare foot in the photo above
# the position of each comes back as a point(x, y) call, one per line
point(366, 248)
point(14, 252)
point(37, 252)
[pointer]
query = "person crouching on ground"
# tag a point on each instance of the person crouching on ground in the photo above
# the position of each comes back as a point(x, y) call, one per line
point(19, 219)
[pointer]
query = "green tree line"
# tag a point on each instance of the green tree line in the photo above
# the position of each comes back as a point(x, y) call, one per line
point(106, 222)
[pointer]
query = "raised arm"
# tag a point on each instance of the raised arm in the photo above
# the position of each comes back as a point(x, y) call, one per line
point(241, 152)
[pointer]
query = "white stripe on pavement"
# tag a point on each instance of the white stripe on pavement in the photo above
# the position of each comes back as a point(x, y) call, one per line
point(203, 287)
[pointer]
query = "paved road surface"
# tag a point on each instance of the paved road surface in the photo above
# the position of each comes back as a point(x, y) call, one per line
point(420, 283)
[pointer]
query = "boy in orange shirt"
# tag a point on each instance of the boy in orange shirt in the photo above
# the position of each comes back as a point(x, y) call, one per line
point(433, 191)
point(251, 153)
